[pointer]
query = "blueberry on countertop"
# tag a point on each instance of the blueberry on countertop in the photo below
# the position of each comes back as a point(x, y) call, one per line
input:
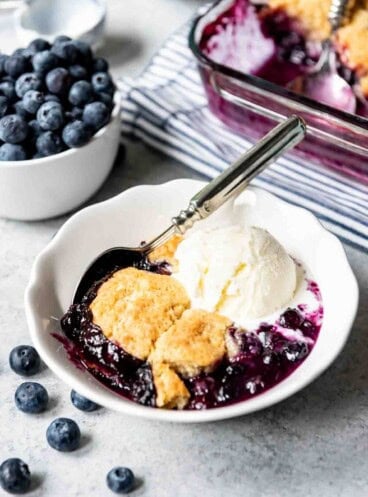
point(120, 480)
point(31, 397)
point(13, 129)
point(9, 152)
point(96, 115)
point(82, 403)
point(76, 134)
point(24, 360)
point(15, 476)
point(63, 434)
point(50, 116)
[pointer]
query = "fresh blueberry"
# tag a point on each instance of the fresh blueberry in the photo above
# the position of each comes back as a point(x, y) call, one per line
point(32, 101)
point(3, 58)
point(120, 480)
point(4, 104)
point(52, 98)
point(101, 81)
point(61, 39)
point(26, 82)
point(81, 93)
point(49, 143)
point(8, 90)
point(22, 52)
point(15, 476)
point(24, 360)
point(66, 51)
point(38, 45)
point(50, 116)
point(20, 110)
point(96, 115)
point(34, 130)
point(31, 397)
point(58, 80)
point(63, 434)
point(76, 134)
point(78, 72)
point(75, 113)
point(15, 65)
point(84, 50)
point(100, 65)
point(43, 62)
point(13, 129)
point(106, 99)
point(82, 403)
point(9, 152)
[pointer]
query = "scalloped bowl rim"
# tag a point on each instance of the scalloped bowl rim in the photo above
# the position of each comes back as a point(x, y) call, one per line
point(115, 402)
point(66, 153)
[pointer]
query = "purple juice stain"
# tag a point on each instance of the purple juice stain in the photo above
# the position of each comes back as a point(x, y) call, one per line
point(263, 358)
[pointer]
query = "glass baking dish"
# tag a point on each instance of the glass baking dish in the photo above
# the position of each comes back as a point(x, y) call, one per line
point(251, 106)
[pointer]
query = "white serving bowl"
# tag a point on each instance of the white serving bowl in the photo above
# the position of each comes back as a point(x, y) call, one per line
point(142, 212)
point(42, 188)
point(82, 19)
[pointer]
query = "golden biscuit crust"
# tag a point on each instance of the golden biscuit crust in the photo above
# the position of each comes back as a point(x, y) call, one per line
point(134, 307)
point(193, 344)
point(166, 252)
point(171, 393)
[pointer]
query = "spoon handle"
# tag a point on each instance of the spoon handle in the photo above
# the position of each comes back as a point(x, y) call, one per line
point(236, 177)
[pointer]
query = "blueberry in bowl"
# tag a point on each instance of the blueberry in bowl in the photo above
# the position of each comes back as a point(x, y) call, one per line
point(59, 128)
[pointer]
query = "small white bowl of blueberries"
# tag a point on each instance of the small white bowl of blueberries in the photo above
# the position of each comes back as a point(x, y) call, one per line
point(59, 128)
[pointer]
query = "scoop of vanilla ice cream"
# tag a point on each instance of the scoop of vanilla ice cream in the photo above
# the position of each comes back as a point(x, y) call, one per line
point(240, 273)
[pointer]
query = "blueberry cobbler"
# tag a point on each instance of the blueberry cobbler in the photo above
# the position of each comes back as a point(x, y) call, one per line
point(211, 319)
point(279, 40)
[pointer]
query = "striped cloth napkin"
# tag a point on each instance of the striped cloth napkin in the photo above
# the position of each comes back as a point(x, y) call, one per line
point(166, 108)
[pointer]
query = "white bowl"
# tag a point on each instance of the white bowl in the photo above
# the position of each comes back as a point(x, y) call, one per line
point(82, 19)
point(138, 214)
point(42, 188)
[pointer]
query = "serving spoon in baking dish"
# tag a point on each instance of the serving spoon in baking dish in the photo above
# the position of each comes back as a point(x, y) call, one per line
point(322, 82)
point(225, 186)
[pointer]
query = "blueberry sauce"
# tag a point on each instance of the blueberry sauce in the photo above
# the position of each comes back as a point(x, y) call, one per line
point(263, 357)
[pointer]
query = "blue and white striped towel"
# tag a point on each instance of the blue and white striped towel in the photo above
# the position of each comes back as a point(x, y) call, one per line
point(167, 109)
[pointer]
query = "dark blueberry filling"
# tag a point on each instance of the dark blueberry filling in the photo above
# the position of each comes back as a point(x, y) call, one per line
point(263, 357)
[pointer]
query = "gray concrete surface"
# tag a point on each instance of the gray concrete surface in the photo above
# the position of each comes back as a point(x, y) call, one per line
point(314, 444)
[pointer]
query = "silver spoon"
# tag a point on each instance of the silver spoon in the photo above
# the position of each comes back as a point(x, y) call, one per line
point(322, 82)
point(228, 184)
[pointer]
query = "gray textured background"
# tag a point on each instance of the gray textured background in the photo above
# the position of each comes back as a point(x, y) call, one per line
point(313, 444)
